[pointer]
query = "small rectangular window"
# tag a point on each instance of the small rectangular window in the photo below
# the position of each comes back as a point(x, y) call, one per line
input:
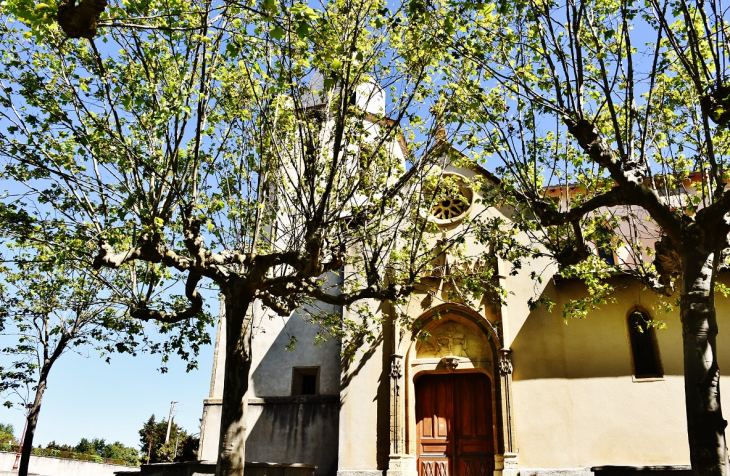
point(305, 381)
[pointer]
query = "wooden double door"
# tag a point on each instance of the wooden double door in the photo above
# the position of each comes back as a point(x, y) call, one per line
point(454, 421)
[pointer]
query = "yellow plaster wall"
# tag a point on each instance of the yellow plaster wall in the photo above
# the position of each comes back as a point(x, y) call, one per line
point(576, 402)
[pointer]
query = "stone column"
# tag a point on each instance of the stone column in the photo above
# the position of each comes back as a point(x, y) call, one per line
point(506, 464)
point(400, 463)
point(396, 420)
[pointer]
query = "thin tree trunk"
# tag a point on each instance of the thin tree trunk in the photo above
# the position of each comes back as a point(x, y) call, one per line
point(35, 410)
point(231, 449)
point(705, 424)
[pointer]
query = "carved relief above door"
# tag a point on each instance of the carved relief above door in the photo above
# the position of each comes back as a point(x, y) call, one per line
point(453, 339)
point(454, 424)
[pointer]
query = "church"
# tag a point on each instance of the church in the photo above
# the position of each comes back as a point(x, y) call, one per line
point(473, 389)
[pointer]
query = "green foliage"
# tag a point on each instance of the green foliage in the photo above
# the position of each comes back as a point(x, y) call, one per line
point(7, 435)
point(51, 305)
point(594, 156)
point(172, 146)
point(54, 302)
point(197, 145)
point(88, 447)
point(595, 274)
point(84, 446)
point(95, 449)
point(118, 451)
point(180, 447)
point(607, 123)
point(62, 447)
point(176, 148)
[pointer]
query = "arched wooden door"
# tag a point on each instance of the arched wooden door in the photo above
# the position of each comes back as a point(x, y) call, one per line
point(454, 420)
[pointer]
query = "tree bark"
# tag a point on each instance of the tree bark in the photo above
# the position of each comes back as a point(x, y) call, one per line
point(231, 449)
point(35, 409)
point(705, 424)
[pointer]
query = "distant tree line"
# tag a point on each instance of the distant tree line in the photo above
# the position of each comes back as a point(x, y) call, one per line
point(96, 449)
point(181, 446)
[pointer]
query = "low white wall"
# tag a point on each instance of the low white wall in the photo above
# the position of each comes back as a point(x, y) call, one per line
point(48, 466)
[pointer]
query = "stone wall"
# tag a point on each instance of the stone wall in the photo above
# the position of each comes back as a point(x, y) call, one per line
point(294, 430)
point(197, 468)
point(48, 466)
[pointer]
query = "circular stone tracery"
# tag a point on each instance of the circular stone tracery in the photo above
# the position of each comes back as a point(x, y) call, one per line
point(449, 208)
point(453, 203)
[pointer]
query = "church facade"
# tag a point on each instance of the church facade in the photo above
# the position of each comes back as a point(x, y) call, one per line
point(472, 389)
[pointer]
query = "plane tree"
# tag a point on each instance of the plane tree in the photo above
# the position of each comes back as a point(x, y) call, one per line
point(607, 122)
point(50, 306)
point(260, 148)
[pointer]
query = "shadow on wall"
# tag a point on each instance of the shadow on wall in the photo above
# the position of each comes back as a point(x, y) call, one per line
point(351, 368)
point(286, 428)
point(366, 375)
point(272, 375)
point(301, 430)
point(598, 346)
point(383, 397)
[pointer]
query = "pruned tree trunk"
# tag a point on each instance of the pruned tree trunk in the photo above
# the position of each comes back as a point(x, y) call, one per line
point(705, 424)
point(231, 449)
point(35, 410)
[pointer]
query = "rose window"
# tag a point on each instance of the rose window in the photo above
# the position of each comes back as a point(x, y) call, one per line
point(452, 201)
point(449, 208)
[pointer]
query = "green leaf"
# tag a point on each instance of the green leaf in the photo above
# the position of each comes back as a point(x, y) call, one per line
point(277, 33)
point(303, 30)
point(269, 6)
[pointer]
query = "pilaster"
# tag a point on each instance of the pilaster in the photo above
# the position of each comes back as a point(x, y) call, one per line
point(506, 464)
point(399, 464)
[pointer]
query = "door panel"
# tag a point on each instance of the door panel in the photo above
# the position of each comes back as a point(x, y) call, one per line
point(473, 405)
point(434, 467)
point(475, 467)
point(436, 408)
point(454, 420)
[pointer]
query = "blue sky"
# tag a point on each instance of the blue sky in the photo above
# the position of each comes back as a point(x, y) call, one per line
point(89, 398)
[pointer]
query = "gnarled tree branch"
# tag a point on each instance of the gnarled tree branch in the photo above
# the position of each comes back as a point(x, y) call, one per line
point(143, 312)
point(627, 176)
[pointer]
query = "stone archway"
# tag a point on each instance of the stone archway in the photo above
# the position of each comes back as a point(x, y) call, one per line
point(452, 340)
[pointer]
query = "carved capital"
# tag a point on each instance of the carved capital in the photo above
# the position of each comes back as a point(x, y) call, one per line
point(505, 361)
point(396, 370)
